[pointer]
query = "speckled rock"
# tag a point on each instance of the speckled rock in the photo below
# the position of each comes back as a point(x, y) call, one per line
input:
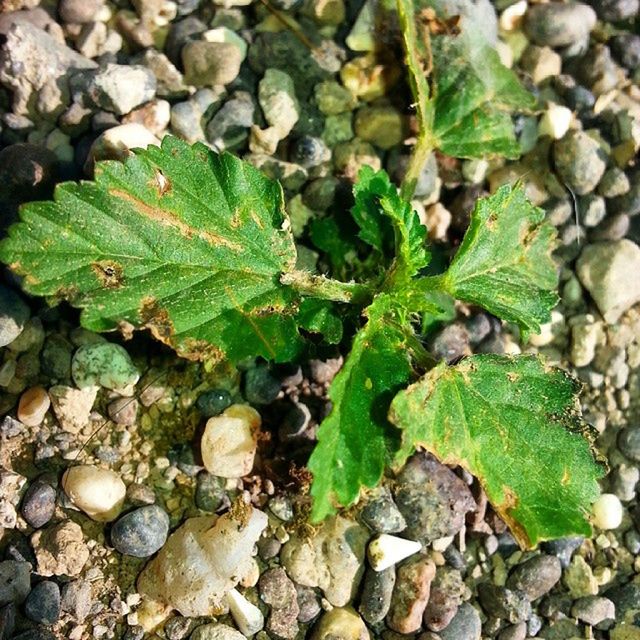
point(38, 504)
point(579, 160)
point(593, 610)
point(142, 532)
point(376, 596)
point(72, 406)
point(447, 592)
point(60, 549)
point(15, 582)
point(535, 577)
point(103, 364)
point(381, 514)
point(340, 624)
point(466, 625)
point(43, 603)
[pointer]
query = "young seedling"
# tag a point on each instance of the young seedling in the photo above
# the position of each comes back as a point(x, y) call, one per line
point(197, 248)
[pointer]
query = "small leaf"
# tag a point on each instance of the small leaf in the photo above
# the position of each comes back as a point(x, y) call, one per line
point(388, 223)
point(504, 262)
point(353, 440)
point(319, 316)
point(179, 240)
point(515, 424)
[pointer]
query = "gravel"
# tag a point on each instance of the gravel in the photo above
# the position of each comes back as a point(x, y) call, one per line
point(142, 532)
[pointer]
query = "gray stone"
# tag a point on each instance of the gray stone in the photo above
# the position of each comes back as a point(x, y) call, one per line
point(629, 443)
point(593, 610)
point(501, 602)
point(607, 270)
point(277, 98)
point(432, 499)
point(451, 343)
point(123, 411)
point(43, 603)
point(10, 427)
point(626, 49)
point(615, 10)
point(309, 604)
point(536, 576)
point(38, 504)
point(142, 532)
point(579, 159)
point(381, 514)
point(79, 11)
point(77, 599)
point(376, 594)
point(169, 81)
point(207, 64)
point(229, 127)
point(559, 24)
point(447, 593)
point(514, 632)
point(216, 631)
point(15, 581)
point(466, 625)
point(592, 210)
point(103, 364)
point(14, 313)
point(121, 88)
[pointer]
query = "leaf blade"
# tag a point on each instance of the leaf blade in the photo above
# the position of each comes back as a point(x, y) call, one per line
point(514, 423)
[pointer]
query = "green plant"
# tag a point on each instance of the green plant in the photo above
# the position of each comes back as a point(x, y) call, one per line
point(196, 247)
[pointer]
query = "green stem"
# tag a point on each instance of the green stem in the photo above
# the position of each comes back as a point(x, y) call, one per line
point(418, 158)
point(328, 289)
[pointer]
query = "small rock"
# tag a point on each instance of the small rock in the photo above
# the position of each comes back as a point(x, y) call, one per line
point(607, 511)
point(170, 83)
point(278, 591)
point(386, 550)
point(514, 632)
point(38, 504)
point(541, 63)
point(214, 402)
point(207, 64)
point(123, 411)
point(340, 624)
point(229, 441)
point(79, 11)
point(310, 151)
point(141, 532)
point(410, 595)
point(466, 625)
point(277, 98)
point(117, 142)
point(103, 364)
point(10, 427)
point(60, 549)
point(376, 596)
point(33, 406)
point(77, 599)
point(98, 492)
point(332, 98)
point(121, 88)
point(447, 592)
point(504, 603)
point(593, 610)
point(381, 125)
point(43, 603)
point(535, 577)
point(309, 604)
point(615, 10)
point(579, 159)
point(14, 313)
point(614, 183)
point(210, 493)
point(229, 127)
point(451, 343)
point(629, 443)
point(432, 499)
point(381, 514)
point(579, 578)
point(216, 631)
point(202, 561)
point(626, 49)
point(604, 269)
point(260, 385)
point(72, 406)
point(559, 24)
point(15, 581)
point(247, 616)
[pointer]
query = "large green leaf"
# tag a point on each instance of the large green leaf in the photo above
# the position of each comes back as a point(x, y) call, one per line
point(179, 240)
point(515, 424)
point(504, 262)
point(352, 441)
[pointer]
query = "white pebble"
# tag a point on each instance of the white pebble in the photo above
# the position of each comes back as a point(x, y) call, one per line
point(98, 492)
point(248, 617)
point(230, 440)
point(555, 121)
point(512, 16)
point(387, 550)
point(607, 511)
point(34, 404)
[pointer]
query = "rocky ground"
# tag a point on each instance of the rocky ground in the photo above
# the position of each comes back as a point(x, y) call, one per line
point(309, 104)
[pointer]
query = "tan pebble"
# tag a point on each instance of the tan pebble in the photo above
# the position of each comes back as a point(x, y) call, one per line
point(34, 404)
point(98, 492)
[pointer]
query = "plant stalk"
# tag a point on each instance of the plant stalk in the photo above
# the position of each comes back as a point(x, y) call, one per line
point(328, 289)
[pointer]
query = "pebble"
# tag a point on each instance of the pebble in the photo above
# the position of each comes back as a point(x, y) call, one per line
point(466, 625)
point(277, 98)
point(103, 364)
point(579, 579)
point(214, 402)
point(117, 142)
point(559, 24)
point(15, 581)
point(72, 406)
point(201, 561)
point(410, 595)
point(33, 406)
point(207, 64)
point(381, 514)
point(310, 151)
point(607, 511)
point(230, 441)
point(626, 49)
point(60, 549)
point(536, 576)
point(514, 632)
point(14, 313)
point(79, 11)
point(615, 10)
point(432, 499)
point(10, 427)
point(579, 160)
point(504, 603)
point(260, 385)
point(309, 604)
point(142, 532)
point(229, 127)
point(123, 411)
point(100, 493)
point(43, 603)
point(332, 560)
point(381, 125)
point(55, 358)
point(604, 270)
point(121, 88)
point(247, 616)
point(386, 550)
point(451, 342)
point(340, 624)
point(377, 591)
point(216, 631)
point(169, 81)
point(210, 493)
point(447, 593)
point(77, 599)
point(629, 443)
point(38, 504)
point(593, 610)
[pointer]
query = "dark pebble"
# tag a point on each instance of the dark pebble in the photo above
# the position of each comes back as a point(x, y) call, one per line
point(626, 49)
point(478, 328)
point(15, 581)
point(214, 402)
point(38, 504)
point(504, 603)
point(210, 493)
point(563, 549)
point(535, 577)
point(27, 171)
point(376, 594)
point(295, 422)
point(466, 625)
point(308, 603)
point(55, 358)
point(260, 385)
point(43, 603)
point(615, 10)
point(629, 203)
point(382, 515)
point(309, 151)
point(451, 343)
point(626, 598)
point(141, 532)
point(134, 633)
point(39, 633)
point(7, 621)
point(179, 34)
point(183, 457)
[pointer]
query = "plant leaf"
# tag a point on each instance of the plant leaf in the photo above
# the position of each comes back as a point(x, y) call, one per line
point(319, 316)
point(504, 262)
point(389, 223)
point(515, 424)
point(179, 240)
point(352, 441)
